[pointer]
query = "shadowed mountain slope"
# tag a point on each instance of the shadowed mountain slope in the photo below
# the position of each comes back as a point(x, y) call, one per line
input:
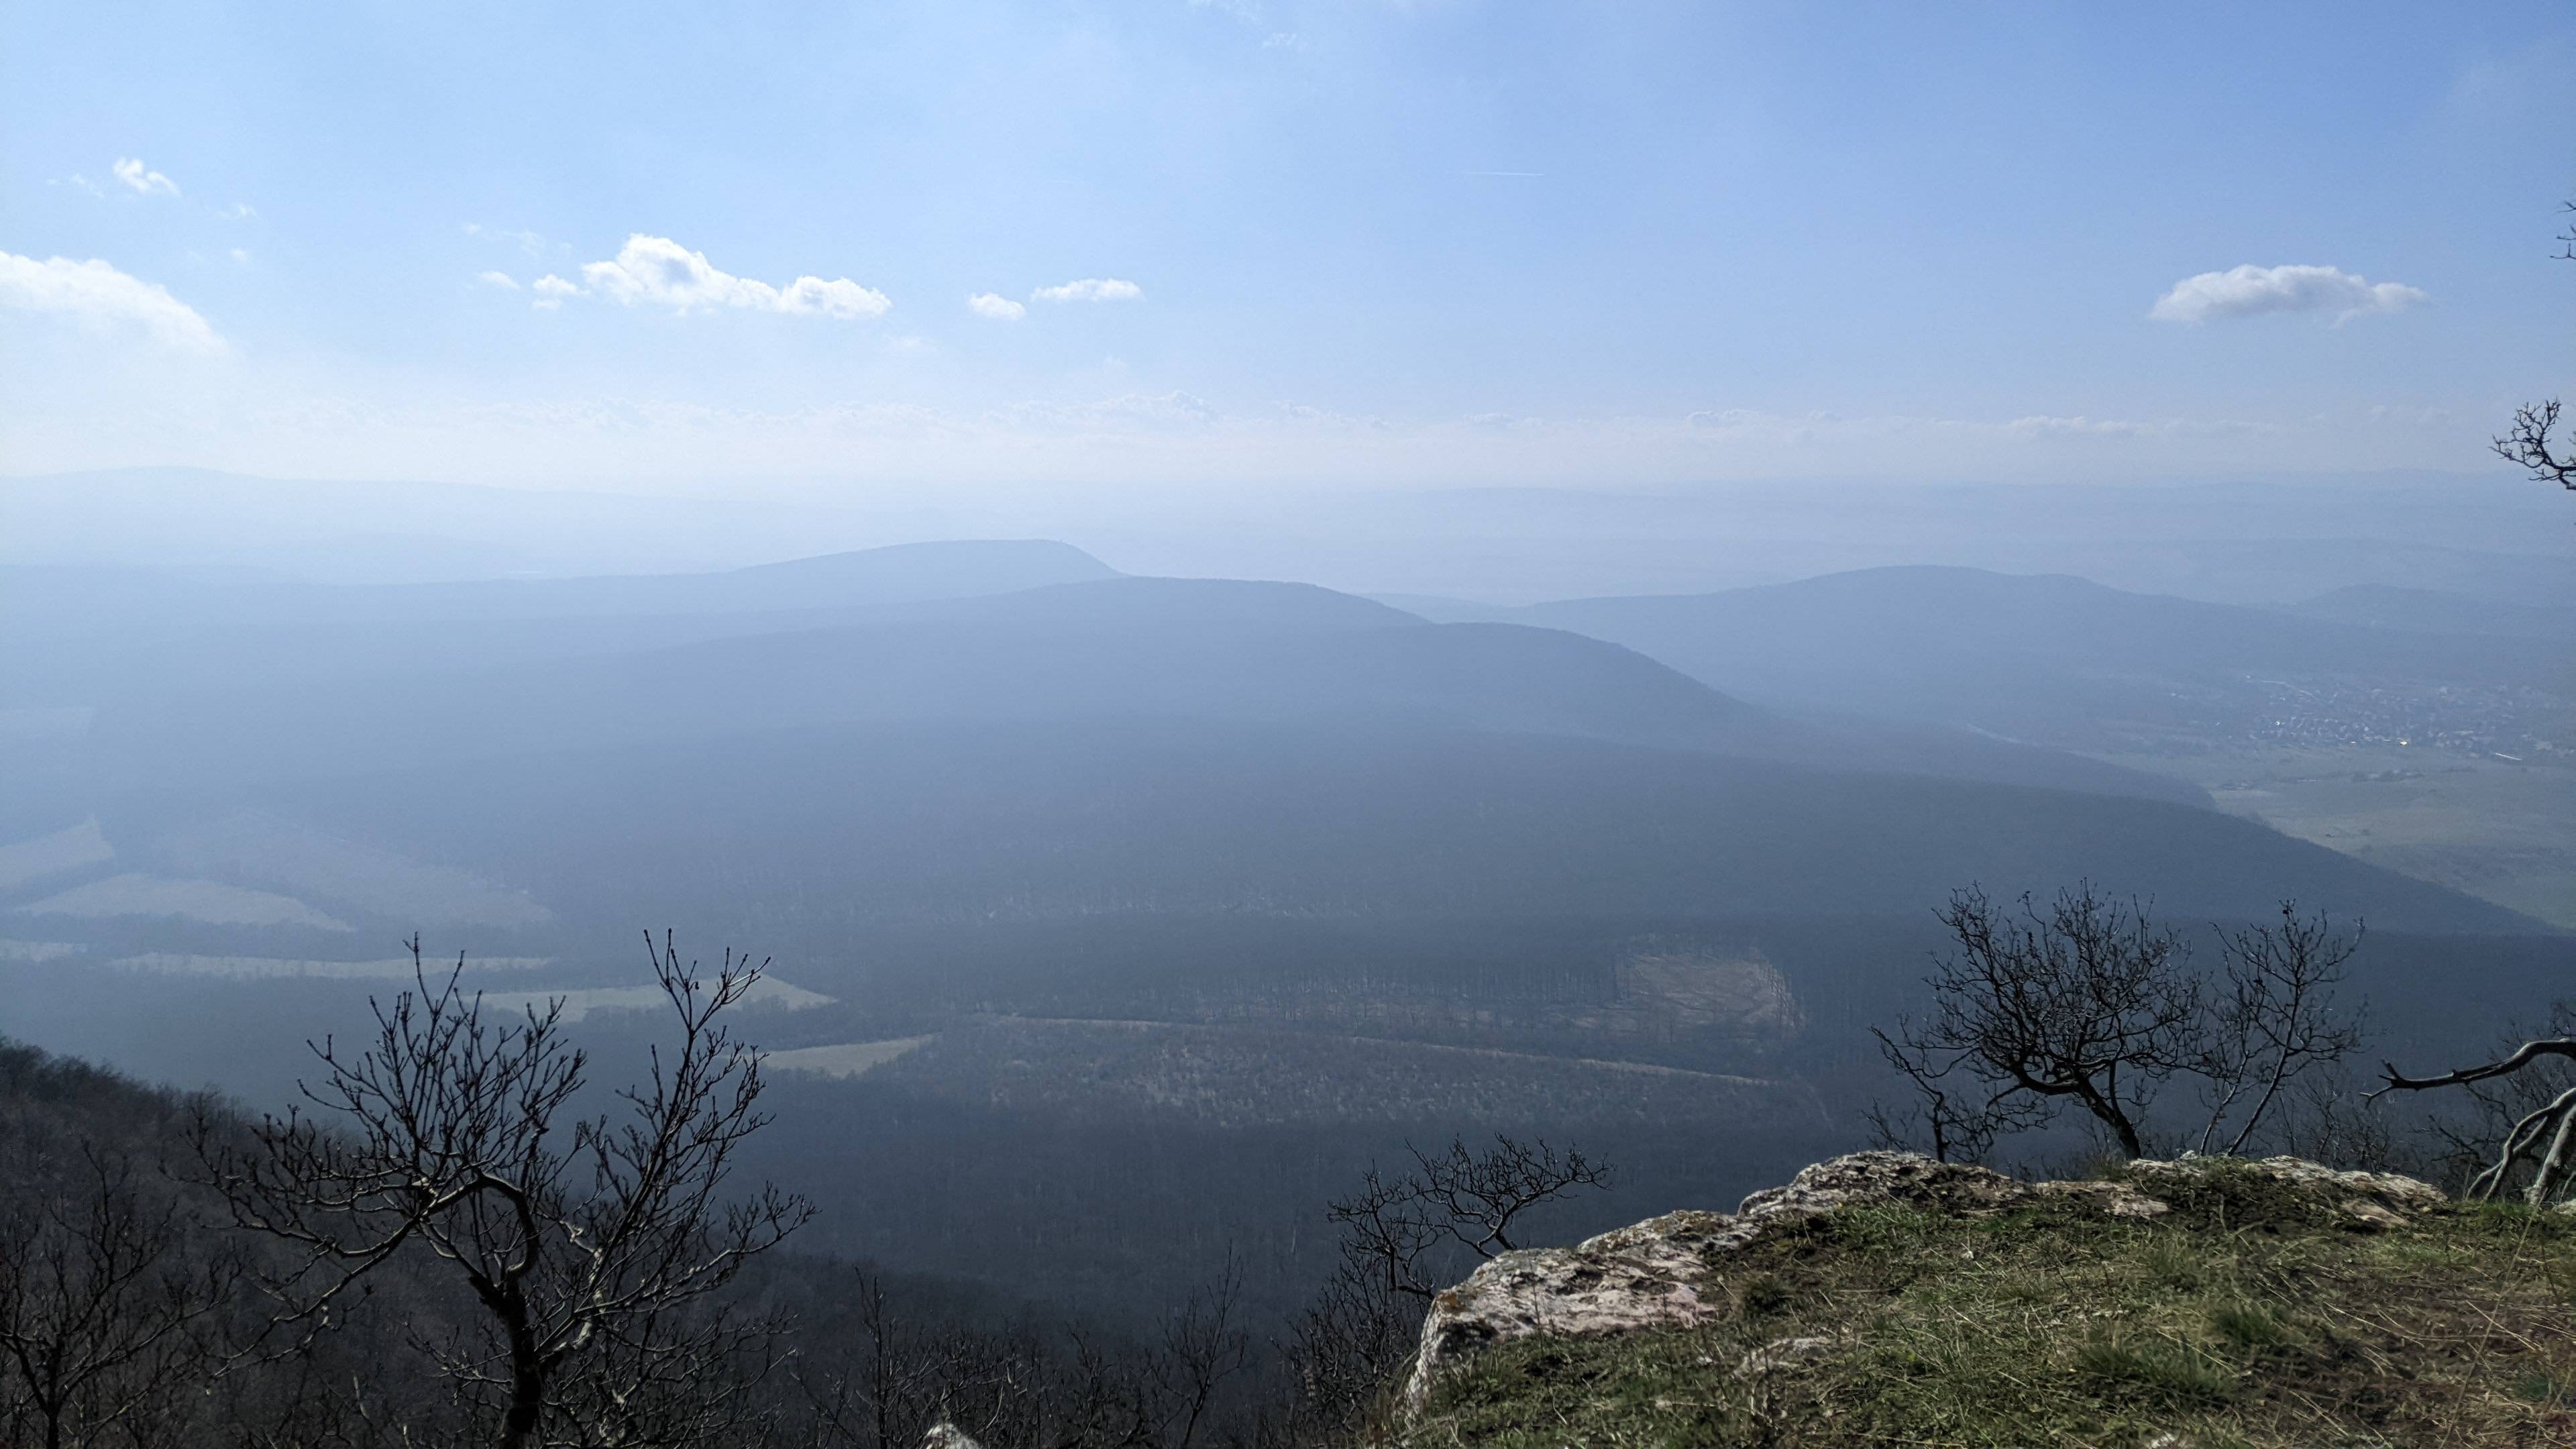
point(337, 695)
point(1045, 818)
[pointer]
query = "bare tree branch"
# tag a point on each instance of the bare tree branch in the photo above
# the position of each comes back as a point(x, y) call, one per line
point(1457, 1197)
point(2083, 1003)
point(2552, 1123)
point(2274, 1021)
point(106, 1300)
point(591, 1245)
point(2087, 1003)
point(2528, 444)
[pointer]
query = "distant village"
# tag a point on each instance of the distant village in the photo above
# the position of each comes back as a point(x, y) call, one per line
point(2517, 724)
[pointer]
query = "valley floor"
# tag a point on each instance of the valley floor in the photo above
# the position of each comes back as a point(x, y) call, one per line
point(2498, 829)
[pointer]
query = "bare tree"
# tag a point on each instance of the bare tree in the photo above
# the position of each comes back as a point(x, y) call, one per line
point(107, 1305)
point(1203, 1346)
point(2529, 444)
point(887, 1395)
point(591, 1246)
point(901, 1374)
point(1342, 1352)
point(2274, 1021)
point(2086, 1003)
point(1458, 1198)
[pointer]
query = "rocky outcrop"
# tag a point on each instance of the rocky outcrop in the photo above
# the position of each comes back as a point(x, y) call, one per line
point(2356, 1199)
point(1667, 1272)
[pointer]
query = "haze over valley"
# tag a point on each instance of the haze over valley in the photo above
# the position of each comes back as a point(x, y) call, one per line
point(1198, 725)
point(1061, 862)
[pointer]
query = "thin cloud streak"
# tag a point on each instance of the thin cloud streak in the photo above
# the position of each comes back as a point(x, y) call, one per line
point(1091, 289)
point(142, 180)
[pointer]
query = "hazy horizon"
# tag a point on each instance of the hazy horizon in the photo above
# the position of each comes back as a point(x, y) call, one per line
point(899, 249)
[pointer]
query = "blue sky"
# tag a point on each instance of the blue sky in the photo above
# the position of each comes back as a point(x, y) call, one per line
point(1349, 240)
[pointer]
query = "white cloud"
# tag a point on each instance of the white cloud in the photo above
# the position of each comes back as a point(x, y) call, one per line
point(502, 280)
point(97, 292)
point(147, 182)
point(2251, 291)
point(1091, 289)
point(78, 181)
point(241, 255)
point(995, 306)
point(659, 271)
point(238, 211)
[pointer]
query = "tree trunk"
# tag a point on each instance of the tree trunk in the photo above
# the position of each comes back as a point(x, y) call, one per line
point(527, 1379)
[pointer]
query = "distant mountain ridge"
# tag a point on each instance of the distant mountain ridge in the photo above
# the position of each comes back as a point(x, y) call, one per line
point(2030, 656)
point(907, 744)
point(920, 633)
point(896, 573)
point(2431, 611)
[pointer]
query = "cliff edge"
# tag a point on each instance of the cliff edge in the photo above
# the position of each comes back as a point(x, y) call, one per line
point(1885, 1298)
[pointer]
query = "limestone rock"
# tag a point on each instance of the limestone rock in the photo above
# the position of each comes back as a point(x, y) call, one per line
point(2363, 1199)
point(2113, 1199)
point(1652, 1274)
point(1907, 1178)
point(1661, 1273)
point(1650, 1279)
